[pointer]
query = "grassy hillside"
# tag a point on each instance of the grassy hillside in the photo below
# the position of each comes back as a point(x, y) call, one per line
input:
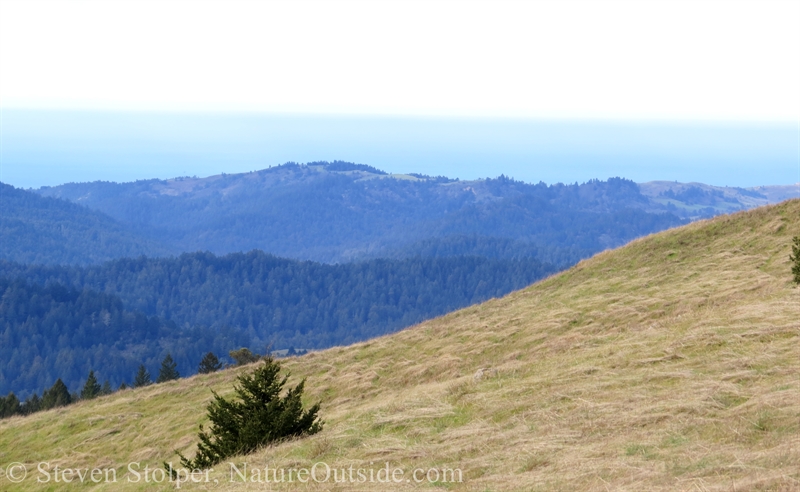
point(672, 363)
point(698, 200)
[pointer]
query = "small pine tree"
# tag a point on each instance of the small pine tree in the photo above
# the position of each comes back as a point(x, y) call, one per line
point(106, 389)
point(168, 371)
point(57, 396)
point(122, 386)
point(209, 364)
point(32, 404)
point(9, 405)
point(259, 417)
point(795, 259)
point(91, 389)
point(142, 378)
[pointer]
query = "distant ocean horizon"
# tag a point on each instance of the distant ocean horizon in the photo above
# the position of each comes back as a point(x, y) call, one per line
point(48, 148)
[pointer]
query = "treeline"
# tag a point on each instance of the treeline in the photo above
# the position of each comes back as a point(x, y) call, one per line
point(287, 303)
point(53, 331)
point(56, 396)
point(59, 395)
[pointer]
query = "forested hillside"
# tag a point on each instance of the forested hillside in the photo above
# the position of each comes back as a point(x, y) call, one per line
point(335, 212)
point(54, 331)
point(288, 303)
point(36, 229)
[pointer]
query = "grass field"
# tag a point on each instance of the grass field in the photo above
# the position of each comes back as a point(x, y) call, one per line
point(672, 363)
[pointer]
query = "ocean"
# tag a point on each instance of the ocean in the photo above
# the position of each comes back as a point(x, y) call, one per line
point(46, 148)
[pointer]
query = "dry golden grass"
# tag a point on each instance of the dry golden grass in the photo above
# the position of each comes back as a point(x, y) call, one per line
point(672, 363)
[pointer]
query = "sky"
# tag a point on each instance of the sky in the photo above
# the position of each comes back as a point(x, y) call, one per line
point(571, 71)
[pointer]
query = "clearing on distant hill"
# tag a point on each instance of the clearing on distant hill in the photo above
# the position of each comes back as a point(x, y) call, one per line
point(671, 363)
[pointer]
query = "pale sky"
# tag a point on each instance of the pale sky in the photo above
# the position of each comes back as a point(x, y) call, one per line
point(695, 60)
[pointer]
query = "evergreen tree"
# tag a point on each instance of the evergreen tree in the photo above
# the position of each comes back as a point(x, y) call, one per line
point(209, 364)
point(9, 405)
point(795, 259)
point(260, 416)
point(91, 389)
point(142, 378)
point(122, 386)
point(32, 404)
point(57, 396)
point(106, 389)
point(168, 371)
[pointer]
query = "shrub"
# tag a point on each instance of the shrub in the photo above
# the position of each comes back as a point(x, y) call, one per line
point(259, 416)
point(243, 356)
point(795, 259)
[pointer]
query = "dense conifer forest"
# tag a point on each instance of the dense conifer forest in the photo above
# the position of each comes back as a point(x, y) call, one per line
point(64, 321)
point(59, 332)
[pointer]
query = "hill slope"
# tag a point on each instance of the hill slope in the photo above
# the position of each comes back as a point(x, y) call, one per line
point(698, 200)
point(334, 212)
point(36, 229)
point(668, 364)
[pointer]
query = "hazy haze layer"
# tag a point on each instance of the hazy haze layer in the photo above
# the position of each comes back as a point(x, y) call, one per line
point(42, 148)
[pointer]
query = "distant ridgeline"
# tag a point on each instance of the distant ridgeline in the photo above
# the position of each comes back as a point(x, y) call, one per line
point(404, 248)
point(200, 302)
point(334, 212)
point(36, 229)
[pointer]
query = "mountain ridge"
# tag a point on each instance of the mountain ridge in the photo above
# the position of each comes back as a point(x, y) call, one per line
point(339, 211)
point(48, 230)
point(334, 212)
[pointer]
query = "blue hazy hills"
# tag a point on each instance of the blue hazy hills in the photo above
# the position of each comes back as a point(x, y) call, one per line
point(324, 253)
point(339, 212)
